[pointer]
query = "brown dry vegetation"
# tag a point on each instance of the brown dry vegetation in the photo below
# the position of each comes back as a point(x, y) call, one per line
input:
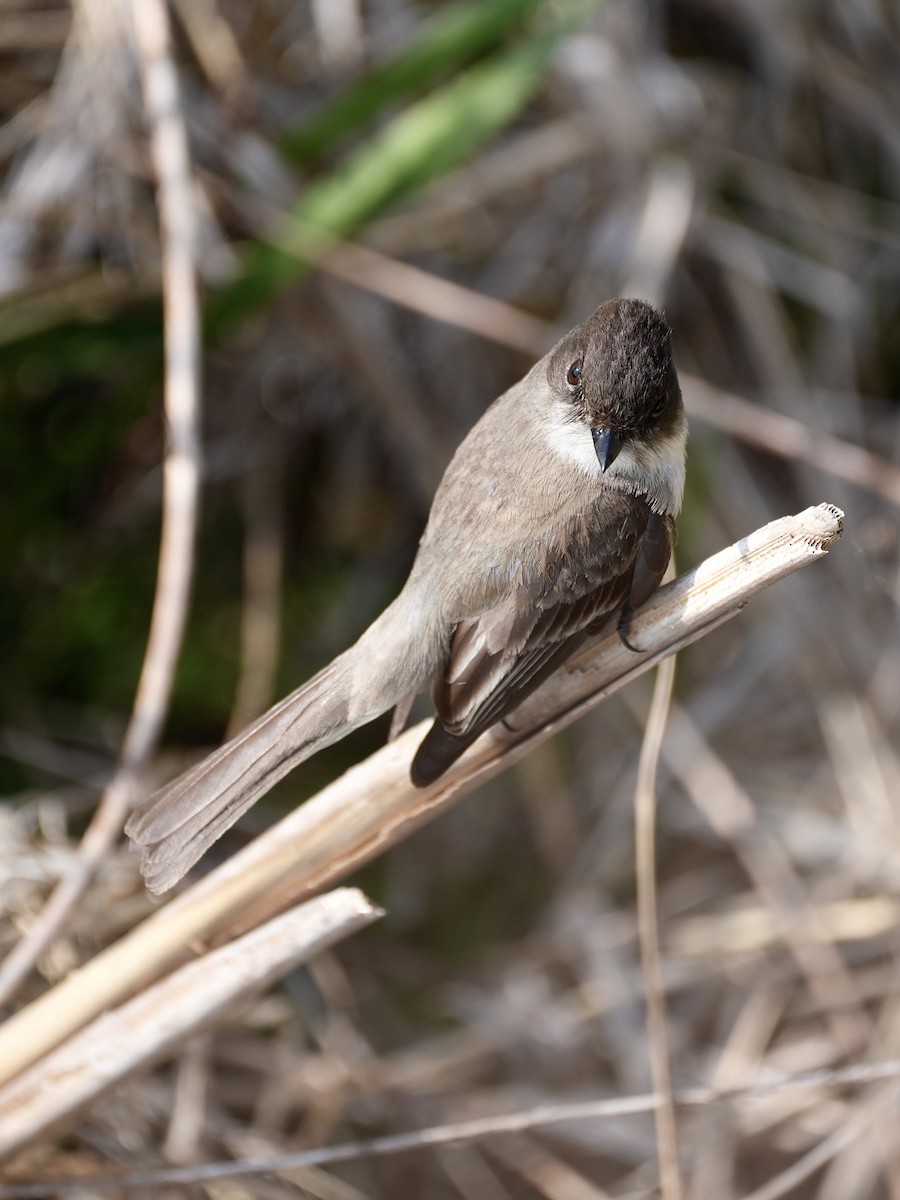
point(736, 162)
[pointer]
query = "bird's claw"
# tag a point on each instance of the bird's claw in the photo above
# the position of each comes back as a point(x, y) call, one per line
point(624, 622)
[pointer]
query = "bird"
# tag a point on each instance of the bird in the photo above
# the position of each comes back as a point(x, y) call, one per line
point(554, 520)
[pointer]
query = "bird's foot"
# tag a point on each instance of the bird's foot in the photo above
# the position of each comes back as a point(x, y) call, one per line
point(623, 629)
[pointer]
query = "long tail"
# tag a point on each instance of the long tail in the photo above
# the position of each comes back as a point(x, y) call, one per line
point(176, 825)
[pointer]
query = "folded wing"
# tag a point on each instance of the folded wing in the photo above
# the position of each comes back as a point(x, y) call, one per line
point(499, 657)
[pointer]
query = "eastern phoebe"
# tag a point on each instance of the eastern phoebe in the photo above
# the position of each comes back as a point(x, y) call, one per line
point(555, 516)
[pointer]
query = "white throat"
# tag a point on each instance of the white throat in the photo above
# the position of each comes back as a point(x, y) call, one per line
point(656, 471)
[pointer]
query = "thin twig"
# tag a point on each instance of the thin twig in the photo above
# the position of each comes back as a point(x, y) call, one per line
point(549, 1175)
point(480, 1127)
point(412, 287)
point(845, 1135)
point(789, 438)
point(671, 1187)
point(374, 804)
point(718, 795)
point(181, 478)
point(263, 568)
point(424, 292)
point(217, 50)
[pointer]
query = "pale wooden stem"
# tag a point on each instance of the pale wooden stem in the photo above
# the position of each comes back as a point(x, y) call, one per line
point(374, 805)
point(161, 1017)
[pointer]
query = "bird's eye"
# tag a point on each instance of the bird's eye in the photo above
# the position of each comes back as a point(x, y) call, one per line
point(660, 406)
point(573, 375)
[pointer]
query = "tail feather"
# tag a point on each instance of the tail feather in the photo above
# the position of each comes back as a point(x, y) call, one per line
point(176, 825)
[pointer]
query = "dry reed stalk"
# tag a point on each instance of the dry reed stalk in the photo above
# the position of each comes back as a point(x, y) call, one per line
point(510, 1123)
point(144, 1029)
point(181, 487)
point(374, 804)
point(670, 1180)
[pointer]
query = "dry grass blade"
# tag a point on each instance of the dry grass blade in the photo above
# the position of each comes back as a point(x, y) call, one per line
point(549, 1175)
point(731, 813)
point(374, 804)
point(506, 1124)
point(421, 291)
point(791, 439)
point(861, 1122)
point(181, 474)
point(152, 1025)
point(263, 570)
point(671, 1186)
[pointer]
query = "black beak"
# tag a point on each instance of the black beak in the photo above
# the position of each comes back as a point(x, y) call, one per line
point(607, 445)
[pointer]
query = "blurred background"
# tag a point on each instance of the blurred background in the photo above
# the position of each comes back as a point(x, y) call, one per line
point(736, 162)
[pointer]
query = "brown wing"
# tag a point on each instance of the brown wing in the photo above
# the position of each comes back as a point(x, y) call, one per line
point(483, 678)
point(501, 656)
point(653, 557)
